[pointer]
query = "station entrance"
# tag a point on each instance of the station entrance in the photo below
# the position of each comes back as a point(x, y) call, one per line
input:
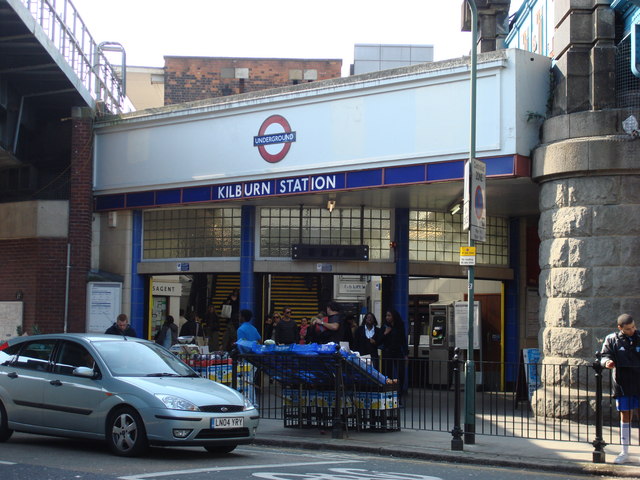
point(308, 294)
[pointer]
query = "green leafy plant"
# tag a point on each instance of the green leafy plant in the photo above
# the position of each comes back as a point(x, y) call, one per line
point(35, 330)
point(535, 117)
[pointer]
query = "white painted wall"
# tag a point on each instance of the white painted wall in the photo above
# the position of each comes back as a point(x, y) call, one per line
point(450, 289)
point(368, 121)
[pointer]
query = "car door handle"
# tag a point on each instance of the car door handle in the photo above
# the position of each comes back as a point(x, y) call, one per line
point(56, 383)
point(12, 375)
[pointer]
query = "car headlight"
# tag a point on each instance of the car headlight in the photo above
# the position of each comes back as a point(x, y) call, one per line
point(176, 403)
point(248, 405)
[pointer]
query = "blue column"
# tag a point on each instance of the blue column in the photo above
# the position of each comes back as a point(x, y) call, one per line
point(247, 257)
point(511, 331)
point(137, 319)
point(401, 292)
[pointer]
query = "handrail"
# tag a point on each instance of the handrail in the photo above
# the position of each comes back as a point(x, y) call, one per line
point(62, 24)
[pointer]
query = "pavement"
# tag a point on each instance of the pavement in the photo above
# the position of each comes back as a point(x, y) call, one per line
point(557, 456)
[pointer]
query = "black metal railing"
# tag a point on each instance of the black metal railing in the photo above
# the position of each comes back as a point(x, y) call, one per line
point(568, 402)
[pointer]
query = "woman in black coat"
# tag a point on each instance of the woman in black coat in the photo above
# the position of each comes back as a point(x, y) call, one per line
point(395, 349)
point(367, 338)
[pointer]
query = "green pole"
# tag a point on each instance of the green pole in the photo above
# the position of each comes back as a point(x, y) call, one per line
point(470, 378)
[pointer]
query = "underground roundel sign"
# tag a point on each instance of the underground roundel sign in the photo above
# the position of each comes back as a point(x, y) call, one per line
point(274, 138)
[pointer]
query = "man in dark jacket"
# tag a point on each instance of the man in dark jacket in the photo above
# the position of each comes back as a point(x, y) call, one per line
point(286, 331)
point(192, 328)
point(121, 327)
point(621, 352)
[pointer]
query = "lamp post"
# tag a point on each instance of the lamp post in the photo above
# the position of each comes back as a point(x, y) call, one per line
point(470, 377)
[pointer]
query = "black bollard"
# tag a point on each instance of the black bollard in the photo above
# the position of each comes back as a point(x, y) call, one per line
point(598, 443)
point(234, 354)
point(338, 419)
point(456, 441)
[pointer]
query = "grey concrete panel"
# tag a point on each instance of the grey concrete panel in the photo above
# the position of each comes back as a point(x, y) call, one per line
point(616, 220)
point(572, 222)
point(556, 128)
point(592, 123)
point(630, 253)
point(571, 282)
point(621, 281)
point(595, 190)
point(570, 156)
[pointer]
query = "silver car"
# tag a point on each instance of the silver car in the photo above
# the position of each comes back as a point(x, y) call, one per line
point(130, 392)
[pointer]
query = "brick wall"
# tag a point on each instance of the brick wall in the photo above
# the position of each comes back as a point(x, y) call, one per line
point(196, 78)
point(37, 267)
point(80, 213)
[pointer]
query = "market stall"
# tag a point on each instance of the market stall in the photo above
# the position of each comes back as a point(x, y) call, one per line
point(325, 387)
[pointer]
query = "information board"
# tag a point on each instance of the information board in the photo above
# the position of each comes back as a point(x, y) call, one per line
point(104, 303)
point(461, 313)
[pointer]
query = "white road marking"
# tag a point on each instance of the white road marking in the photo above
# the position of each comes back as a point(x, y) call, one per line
point(243, 467)
point(344, 474)
point(7, 463)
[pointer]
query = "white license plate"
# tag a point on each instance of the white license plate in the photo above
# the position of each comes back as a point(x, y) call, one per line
point(227, 422)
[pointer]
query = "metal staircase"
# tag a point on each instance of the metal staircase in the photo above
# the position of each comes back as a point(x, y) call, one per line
point(65, 47)
point(298, 292)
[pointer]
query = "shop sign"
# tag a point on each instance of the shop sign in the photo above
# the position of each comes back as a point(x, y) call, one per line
point(167, 289)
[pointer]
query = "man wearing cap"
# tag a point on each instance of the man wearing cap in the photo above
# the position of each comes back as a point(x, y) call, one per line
point(621, 352)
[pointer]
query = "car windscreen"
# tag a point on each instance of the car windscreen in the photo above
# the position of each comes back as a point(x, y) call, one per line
point(136, 359)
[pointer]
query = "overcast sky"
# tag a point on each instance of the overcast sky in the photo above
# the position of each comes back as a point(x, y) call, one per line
point(151, 29)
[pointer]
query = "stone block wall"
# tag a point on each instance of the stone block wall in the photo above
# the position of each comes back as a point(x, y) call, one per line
point(196, 78)
point(590, 235)
point(589, 230)
point(584, 45)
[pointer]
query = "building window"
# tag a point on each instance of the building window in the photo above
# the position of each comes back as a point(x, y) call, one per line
point(437, 237)
point(627, 84)
point(282, 227)
point(191, 233)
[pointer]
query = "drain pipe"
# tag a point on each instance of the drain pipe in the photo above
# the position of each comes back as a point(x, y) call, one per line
point(66, 288)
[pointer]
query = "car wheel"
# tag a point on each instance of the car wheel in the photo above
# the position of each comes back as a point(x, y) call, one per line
point(5, 432)
point(126, 435)
point(220, 448)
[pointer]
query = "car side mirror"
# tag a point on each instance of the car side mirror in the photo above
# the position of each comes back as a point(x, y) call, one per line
point(84, 372)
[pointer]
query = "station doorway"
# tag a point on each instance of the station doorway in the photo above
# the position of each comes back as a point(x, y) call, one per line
point(308, 294)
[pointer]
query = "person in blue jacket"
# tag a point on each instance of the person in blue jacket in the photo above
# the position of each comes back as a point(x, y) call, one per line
point(246, 331)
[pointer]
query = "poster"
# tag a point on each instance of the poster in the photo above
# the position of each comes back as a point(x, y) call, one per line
point(10, 319)
point(532, 324)
point(103, 305)
point(461, 311)
point(531, 358)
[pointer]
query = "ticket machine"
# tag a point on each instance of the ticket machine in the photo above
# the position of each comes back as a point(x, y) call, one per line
point(441, 336)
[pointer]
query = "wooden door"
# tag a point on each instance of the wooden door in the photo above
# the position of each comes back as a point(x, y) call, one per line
point(491, 340)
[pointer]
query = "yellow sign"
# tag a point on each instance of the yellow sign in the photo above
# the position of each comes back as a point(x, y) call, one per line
point(467, 251)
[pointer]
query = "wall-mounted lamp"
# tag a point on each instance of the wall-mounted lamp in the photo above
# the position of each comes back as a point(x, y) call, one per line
point(331, 204)
point(455, 208)
point(19, 295)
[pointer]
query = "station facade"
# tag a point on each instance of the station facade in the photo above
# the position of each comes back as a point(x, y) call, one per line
point(343, 188)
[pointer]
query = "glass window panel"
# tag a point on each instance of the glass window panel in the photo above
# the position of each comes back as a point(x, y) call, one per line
point(188, 233)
